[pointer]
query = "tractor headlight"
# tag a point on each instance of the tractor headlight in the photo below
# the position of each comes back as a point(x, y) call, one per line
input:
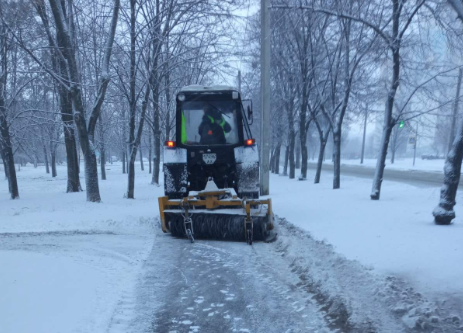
point(181, 97)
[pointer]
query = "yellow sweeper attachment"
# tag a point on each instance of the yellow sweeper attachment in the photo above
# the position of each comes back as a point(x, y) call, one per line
point(217, 214)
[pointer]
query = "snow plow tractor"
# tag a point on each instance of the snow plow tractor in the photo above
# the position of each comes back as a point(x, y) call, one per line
point(211, 170)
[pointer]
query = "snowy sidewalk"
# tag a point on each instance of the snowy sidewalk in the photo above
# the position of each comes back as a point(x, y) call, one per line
point(67, 264)
point(395, 236)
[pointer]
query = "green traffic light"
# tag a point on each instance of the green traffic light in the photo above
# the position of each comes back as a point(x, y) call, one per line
point(401, 124)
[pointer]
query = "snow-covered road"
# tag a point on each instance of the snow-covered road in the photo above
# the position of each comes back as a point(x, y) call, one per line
point(416, 177)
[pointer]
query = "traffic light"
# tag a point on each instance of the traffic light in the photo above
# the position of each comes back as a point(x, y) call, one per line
point(401, 124)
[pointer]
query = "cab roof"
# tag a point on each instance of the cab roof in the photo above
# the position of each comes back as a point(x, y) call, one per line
point(199, 88)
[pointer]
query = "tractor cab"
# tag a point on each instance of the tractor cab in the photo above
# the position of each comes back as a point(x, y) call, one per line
point(215, 140)
point(211, 116)
point(213, 165)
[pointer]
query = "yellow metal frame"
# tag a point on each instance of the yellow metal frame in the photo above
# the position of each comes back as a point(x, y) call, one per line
point(211, 201)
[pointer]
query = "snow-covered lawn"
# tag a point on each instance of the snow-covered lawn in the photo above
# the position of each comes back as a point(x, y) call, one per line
point(395, 235)
point(399, 164)
point(66, 264)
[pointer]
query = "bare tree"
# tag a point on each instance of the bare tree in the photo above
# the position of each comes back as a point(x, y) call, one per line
point(5, 139)
point(67, 50)
point(444, 213)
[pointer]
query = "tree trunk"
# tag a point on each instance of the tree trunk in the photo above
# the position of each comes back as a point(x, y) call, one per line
point(53, 163)
point(389, 122)
point(127, 159)
point(73, 183)
point(321, 155)
point(298, 154)
point(102, 149)
point(91, 176)
point(337, 159)
point(393, 146)
point(131, 178)
point(444, 213)
point(455, 111)
point(157, 153)
point(65, 100)
point(87, 146)
point(381, 162)
point(323, 137)
point(2, 154)
point(291, 157)
point(79, 149)
point(304, 156)
point(150, 153)
point(141, 159)
point(34, 154)
point(167, 90)
point(123, 162)
point(132, 105)
point(157, 136)
point(135, 143)
point(64, 30)
point(45, 156)
point(7, 152)
point(134, 147)
point(285, 168)
point(364, 135)
point(272, 161)
point(277, 158)
point(103, 164)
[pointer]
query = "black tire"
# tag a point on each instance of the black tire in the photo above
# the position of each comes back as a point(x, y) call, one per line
point(443, 220)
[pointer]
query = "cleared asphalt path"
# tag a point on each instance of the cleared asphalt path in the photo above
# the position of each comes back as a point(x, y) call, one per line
point(212, 287)
point(413, 177)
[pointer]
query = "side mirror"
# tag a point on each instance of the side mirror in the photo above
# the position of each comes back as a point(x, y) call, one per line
point(249, 113)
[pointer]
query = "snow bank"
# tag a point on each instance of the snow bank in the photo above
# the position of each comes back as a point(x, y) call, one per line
point(355, 298)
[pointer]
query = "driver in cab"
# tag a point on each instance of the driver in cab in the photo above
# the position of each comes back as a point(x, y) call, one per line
point(213, 126)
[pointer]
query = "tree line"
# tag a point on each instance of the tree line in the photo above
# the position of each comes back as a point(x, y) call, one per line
point(94, 78)
point(337, 63)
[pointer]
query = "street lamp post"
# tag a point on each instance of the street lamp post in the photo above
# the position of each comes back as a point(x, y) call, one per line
point(264, 97)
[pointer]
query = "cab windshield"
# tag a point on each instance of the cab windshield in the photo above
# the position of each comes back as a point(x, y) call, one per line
point(209, 122)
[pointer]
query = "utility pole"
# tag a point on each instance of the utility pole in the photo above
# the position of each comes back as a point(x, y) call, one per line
point(364, 134)
point(239, 81)
point(455, 111)
point(416, 140)
point(264, 97)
